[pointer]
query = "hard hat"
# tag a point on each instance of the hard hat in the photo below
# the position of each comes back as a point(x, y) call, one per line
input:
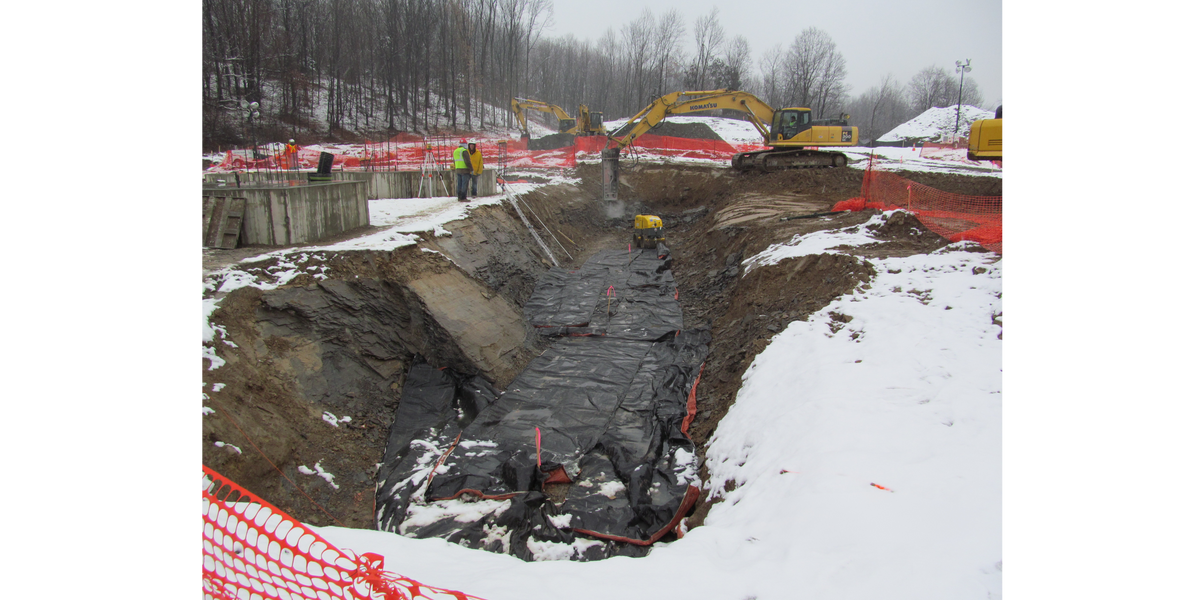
point(291, 141)
point(462, 141)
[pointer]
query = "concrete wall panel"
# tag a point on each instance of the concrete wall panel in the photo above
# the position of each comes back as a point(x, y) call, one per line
point(380, 184)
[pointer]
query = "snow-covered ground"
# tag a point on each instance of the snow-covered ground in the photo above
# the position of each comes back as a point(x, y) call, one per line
point(936, 124)
point(864, 458)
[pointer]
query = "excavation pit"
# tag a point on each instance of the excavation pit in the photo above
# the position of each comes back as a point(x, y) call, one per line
point(314, 372)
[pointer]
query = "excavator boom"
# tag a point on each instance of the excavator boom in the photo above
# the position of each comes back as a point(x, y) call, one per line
point(677, 103)
point(519, 105)
point(787, 131)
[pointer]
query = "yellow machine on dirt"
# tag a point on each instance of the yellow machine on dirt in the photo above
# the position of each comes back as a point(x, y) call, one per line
point(647, 231)
point(985, 139)
point(588, 123)
point(789, 132)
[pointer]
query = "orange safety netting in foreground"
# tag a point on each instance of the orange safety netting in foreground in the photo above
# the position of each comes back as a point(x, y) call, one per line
point(254, 551)
point(956, 217)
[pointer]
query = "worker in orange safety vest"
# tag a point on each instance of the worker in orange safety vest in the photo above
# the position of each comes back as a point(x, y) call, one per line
point(290, 154)
point(476, 168)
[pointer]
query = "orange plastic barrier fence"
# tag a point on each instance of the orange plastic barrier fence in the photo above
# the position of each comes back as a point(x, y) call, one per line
point(956, 217)
point(400, 153)
point(254, 551)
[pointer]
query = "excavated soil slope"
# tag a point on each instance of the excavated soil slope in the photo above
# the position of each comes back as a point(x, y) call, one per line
point(343, 344)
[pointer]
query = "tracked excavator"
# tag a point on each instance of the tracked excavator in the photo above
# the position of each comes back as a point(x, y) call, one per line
point(789, 132)
point(588, 123)
point(985, 140)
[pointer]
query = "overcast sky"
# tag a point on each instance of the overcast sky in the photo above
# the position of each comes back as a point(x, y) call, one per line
point(877, 37)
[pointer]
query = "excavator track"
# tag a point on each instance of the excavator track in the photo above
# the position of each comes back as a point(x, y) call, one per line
point(775, 159)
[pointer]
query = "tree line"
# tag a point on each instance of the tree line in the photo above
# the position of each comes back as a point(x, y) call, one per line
point(340, 69)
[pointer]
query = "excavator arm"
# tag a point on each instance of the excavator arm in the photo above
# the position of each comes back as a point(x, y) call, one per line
point(677, 103)
point(791, 134)
point(520, 105)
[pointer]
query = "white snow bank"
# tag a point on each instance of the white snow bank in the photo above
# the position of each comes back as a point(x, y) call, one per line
point(937, 124)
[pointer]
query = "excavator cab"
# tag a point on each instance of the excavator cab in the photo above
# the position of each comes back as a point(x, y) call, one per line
point(647, 231)
point(789, 122)
point(566, 125)
point(796, 127)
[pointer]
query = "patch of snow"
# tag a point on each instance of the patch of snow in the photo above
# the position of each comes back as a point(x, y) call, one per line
point(207, 411)
point(612, 488)
point(208, 305)
point(214, 361)
point(230, 446)
point(936, 124)
point(218, 387)
point(420, 515)
point(545, 551)
point(560, 521)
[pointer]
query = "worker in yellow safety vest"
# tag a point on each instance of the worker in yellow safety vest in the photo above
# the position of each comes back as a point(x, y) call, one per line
point(462, 169)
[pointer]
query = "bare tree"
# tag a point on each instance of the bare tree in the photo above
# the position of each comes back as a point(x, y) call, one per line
point(879, 109)
point(709, 35)
point(935, 86)
point(770, 66)
point(737, 63)
point(667, 39)
point(637, 39)
point(816, 73)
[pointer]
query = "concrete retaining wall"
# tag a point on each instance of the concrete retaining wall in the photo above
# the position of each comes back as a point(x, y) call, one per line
point(282, 216)
point(380, 184)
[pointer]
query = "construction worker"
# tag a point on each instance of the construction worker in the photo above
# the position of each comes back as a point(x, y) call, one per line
point(462, 169)
point(290, 154)
point(476, 168)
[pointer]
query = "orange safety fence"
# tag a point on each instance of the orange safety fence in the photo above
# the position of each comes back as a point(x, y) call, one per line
point(956, 217)
point(254, 551)
point(404, 154)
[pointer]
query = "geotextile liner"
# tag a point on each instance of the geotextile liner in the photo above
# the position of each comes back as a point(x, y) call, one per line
point(626, 294)
point(599, 422)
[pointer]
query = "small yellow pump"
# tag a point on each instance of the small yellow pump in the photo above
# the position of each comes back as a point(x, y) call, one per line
point(647, 231)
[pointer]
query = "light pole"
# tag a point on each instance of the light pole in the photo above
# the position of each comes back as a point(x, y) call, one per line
point(963, 69)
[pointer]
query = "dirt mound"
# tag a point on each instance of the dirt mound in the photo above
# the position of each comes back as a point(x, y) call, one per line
point(967, 185)
point(903, 234)
point(552, 142)
point(695, 131)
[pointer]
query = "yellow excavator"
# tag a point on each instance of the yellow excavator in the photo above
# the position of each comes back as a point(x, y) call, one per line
point(588, 123)
point(789, 132)
point(986, 140)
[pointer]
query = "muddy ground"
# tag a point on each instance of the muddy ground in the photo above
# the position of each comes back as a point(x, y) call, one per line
point(343, 344)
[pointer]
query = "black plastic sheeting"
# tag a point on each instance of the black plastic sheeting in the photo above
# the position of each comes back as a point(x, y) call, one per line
point(612, 411)
point(627, 294)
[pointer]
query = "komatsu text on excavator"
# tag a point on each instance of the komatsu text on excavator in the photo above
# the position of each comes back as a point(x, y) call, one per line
point(791, 133)
point(588, 123)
